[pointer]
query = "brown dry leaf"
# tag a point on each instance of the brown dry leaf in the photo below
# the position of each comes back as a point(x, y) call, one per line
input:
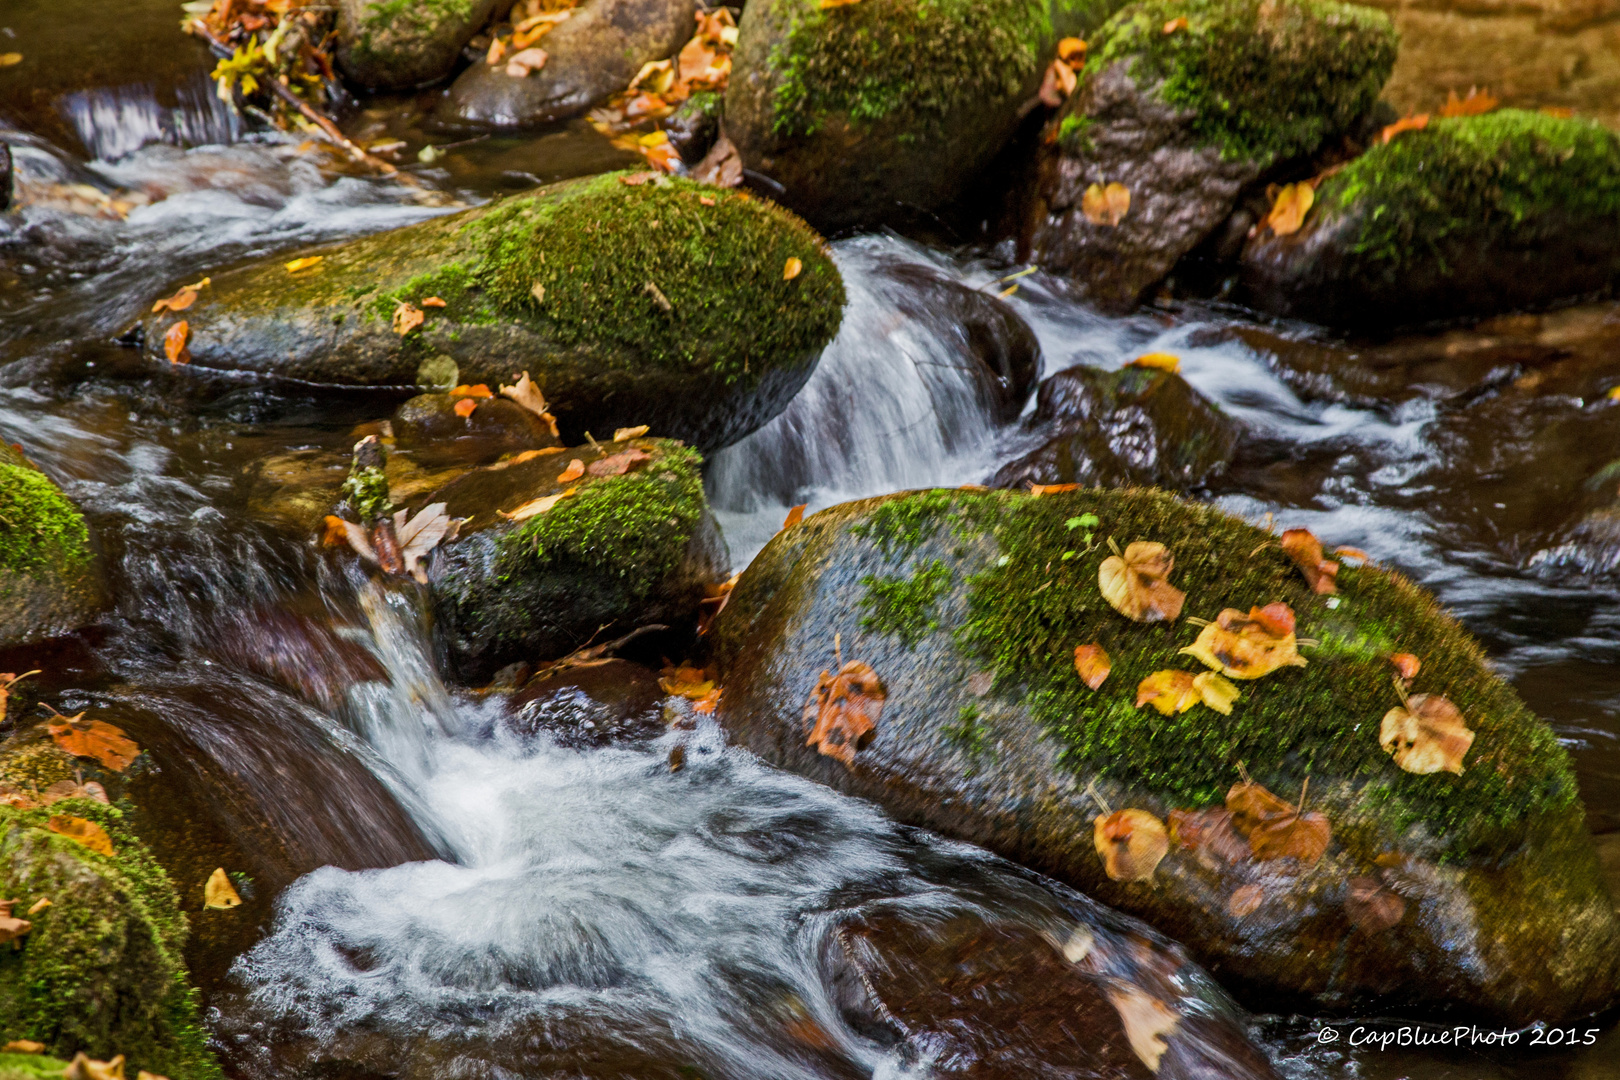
point(83, 1067)
point(1406, 665)
point(1250, 804)
point(1249, 646)
point(524, 62)
point(432, 301)
point(1131, 843)
point(1057, 84)
point(1245, 901)
point(1093, 664)
point(575, 470)
point(1038, 490)
point(1372, 905)
point(1478, 101)
point(617, 464)
point(219, 893)
point(1427, 735)
point(1405, 123)
point(23, 1046)
point(1158, 361)
point(94, 739)
point(174, 343)
point(1178, 23)
point(1147, 1021)
point(794, 516)
point(1136, 583)
point(407, 317)
point(1209, 831)
point(72, 789)
point(1305, 549)
point(1106, 204)
point(421, 534)
point(1288, 210)
point(80, 831)
point(528, 395)
point(464, 408)
point(624, 434)
point(843, 710)
point(1170, 692)
point(792, 268)
point(536, 507)
point(1216, 692)
point(721, 167)
point(1276, 828)
point(304, 264)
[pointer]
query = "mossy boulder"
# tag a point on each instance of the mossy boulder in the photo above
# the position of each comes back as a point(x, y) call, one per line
point(862, 111)
point(1469, 216)
point(397, 44)
point(101, 969)
point(1186, 120)
point(969, 607)
point(49, 580)
point(654, 301)
point(624, 551)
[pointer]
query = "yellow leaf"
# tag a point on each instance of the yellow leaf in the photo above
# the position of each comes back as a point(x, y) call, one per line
point(304, 264)
point(1249, 646)
point(1161, 361)
point(1427, 735)
point(22, 1046)
point(80, 831)
point(1072, 51)
point(219, 893)
point(1170, 692)
point(624, 433)
point(1092, 664)
point(825, 4)
point(1136, 583)
point(536, 507)
point(1131, 843)
point(791, 268)
point(1107, 204)
point(1289, 210)
point(1216, 692)
point(10, 58)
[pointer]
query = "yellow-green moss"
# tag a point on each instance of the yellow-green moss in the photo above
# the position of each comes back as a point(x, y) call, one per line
point(39, 528)
point(31, 1067)
point(904, 606)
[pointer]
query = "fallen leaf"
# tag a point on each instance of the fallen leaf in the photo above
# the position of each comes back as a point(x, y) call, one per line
point(1072, 51)
point(1170, 692)
point(1249, 646)
point(11, 58)
point(83, 1067)
point(80, 831)
point(791, 268)
point(11, 928)
point(1136, 583)
point(23, 1046)
point(1057, 84)
point(721, 167)
point(528, 395)
point(1250, 804)
point(144, 1075)
point(527, 455)
point(1093, 664)
point(617, 464)
point(707, 703)
point(304, 264)
point(39, 905)
point(1159, 361)
point(538, 290)
point(340, 530)
point(626, 433)
point(843, 710)
point(687, 682)
point(1147, 1021)
point(1478, 101)
point(1406, 665)
point(1405, 123)
point(432, 301)
point(174, 343)
point(1245, 901)
point(72, 789)
point(1427, 735)
point(794, 516)
point(1557, 112)
point(825, 4)
point(421, 534)
point(1039, 490)
point(1276, 828)
point(536, 507)
point(1216, 692)
point(706, 200)
point(655, 77)
point(464, 408)
point(1372, 905)
point(1131, 843)
point(497, 51)
point(1306, 551)
point(476, 390)
point(1105, 204)
point(219, 893)
point(1209, 831)
point(178, 302)
point(94, 739)
point(637, 179)
point(524, 62)
point(1178, 23)
point(575, 470)
point(407, 317)
point(1288, 210)
point(7, 681)
point(658, 296)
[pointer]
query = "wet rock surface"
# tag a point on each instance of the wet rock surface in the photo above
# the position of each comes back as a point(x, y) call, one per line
point(50, 581)
point(383, 45)
point(589, 705)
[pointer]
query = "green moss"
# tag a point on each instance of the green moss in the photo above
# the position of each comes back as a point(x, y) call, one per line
point(101, 970)
point(902, 606)
point(1267, 79)
point(367, 492)
point(30, 1067)
point(1072, 134)
point(1498, 175)
point(39, 527)
point(709, 104)
point(898, 526)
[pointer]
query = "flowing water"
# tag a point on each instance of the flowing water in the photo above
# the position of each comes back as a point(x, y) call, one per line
point(434, 893)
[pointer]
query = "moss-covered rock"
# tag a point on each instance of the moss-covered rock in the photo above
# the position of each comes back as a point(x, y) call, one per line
point(1185, 120)
point(623, 551)
point(662, 302)
point(862, 110)
point(49, 581)
point(101, 969)
point(396, 44)
point(1467, 217)
point(969, 606)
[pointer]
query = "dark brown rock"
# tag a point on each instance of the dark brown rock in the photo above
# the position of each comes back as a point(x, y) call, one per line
point(388, 45)
point(597, 703)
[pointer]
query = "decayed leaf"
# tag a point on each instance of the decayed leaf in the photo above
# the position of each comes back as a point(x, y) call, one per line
point(1057, 83)
point(1159, 361)
point(174, 343)
point(1249, 646)
point(1372, 905)
point(94, 739)
point(407, 317)
point(1106, 204)
point(1305, 549)
point(1147, 1021)
point(421, 534)
point(617, 464)
point(1136, 583)
point(23, 1046)
point(1131, 843)
point(1427, 735)
point(1216, 692)
point(528, 395)
point(843, 710)
point(1245, 901)
point(1288, 210)
point(1170, 692)
point(792, 268)
point(304, 264)
point(1093, 664)
point(1276, 828)
point(575, 470)
point(1478, 101)
point(536, 507)
point(1405, 123)
point(219, 893)
point(626, 433)
point(1406, 665)
point(80, 831)
point(525, 61)
point(1209, 831)
point(83, 1067)
point(11, 928)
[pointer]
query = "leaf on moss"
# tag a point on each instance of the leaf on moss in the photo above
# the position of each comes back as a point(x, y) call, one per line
point(1170, 692)
point(1175, 24)
point(575, 470)
point(826, 4)
point(1372, 905)
point(1288, 210)
point(80, 831)
point(1405, 123)
point(1136, 583)
point(22, 1046)
point(536, 507)
point(84, 1067)
point(1245, 900)
point(407, 317)
point(1426, 735)
point(618, 464)
point(1478, 101)
point(304, 264)
point(792, 268)
point(219, 893)
point(1131, 843)
point(174, 343)
point(1041, 490)
point(1216, 692)
point(1249, 646)
point(843, 710)
point(794, 516)
point(1306, 550)
point(1158, 361)
point(1106, 204)
point(12, 929)
point(94, 739)
point(1406, 665)
point(433, 302)
point(1093, 664)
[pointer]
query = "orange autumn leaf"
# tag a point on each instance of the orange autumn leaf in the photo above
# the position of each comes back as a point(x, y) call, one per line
point(1093, 664)
point(432, 301)
point(80, 831)
point(1478, 101)
point(174, 343)
point(1136, 583)
point(1131, 843)
point(1178, 23)
point(1107, 204)
point(794, 516)
point(708, 702)
point(7, 681)
point(1306, 551)
point(1288, 211)
point(94, 739)
point(1426, 735)
point(336, 533)
point(1158, 361)
point(464, 408)
point(792, 268)
point(691, 683)
point(477, 390)
point(575, 470)
point(617, 464)
point(407, 317)
point(1170, 692)
point(11, 929)
point(1057, 83)
point(1405, 123)
point(843, 710)
point(178, 302)
point(1406, 665)
point(536, 507)
point(826, 4)
point(1275, 827)
point(1072, 51)
point(1249, 646)
point(1039, 490)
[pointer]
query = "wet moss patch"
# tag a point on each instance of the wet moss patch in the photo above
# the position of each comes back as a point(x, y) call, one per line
point(904, 606)
point(39, 527)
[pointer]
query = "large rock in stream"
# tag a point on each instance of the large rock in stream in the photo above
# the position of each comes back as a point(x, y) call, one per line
point(397, 44)
point(1186, 120)
point(628, 299)
point(1479, 889)
point(1466, 217)
point(49, 579)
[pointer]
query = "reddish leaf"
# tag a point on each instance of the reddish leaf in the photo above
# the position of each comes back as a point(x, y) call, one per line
point(617, 464)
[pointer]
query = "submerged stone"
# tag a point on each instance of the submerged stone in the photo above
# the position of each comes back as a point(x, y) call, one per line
point(49, 580)
point(969, 607)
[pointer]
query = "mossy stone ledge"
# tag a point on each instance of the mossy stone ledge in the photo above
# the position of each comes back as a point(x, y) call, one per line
point(49, 580)
point(397, 44)
point(658, 301)
point(1468, 217)
point(1186, 119)
point(969, 606)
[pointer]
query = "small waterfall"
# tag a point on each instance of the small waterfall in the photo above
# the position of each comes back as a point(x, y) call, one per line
point(116, 121)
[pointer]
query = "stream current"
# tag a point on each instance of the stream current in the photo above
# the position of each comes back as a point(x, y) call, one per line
point(444, 898)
